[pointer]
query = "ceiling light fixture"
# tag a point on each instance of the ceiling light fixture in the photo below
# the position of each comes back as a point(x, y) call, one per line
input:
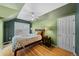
point(33, 16)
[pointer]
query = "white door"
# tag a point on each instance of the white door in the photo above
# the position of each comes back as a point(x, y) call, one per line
point(66, 33)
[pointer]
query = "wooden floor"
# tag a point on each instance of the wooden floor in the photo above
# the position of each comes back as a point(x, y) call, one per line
point(41, 50)
point(38, 50)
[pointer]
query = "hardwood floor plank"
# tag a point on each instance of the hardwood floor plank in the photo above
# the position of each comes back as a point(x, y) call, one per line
point(44, 51)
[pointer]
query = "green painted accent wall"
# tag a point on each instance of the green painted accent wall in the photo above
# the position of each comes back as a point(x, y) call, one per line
point(49, 21)
point(1, 33)
point(77, 30)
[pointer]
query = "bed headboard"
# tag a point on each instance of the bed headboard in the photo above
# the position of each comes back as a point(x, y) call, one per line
point(40, 31)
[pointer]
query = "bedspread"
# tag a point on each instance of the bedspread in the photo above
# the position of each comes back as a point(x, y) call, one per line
point(21, 41)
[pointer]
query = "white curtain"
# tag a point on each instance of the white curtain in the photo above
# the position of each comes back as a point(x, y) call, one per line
point(21, 28)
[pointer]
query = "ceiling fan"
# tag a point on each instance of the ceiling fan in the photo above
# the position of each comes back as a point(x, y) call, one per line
point(33, 16)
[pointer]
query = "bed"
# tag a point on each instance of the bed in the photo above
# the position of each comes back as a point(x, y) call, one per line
point(24, 41)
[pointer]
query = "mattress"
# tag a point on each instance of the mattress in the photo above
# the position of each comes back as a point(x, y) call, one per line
point(22, 40)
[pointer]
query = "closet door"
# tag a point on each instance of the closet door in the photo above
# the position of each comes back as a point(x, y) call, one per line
point(66, 33)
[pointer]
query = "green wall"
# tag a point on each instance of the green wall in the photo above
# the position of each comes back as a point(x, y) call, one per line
point(1, 33)
point(77, 30)
point(49, 21)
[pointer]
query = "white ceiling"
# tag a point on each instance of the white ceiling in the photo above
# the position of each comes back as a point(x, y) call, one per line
point(38, 9)
point(11, 10)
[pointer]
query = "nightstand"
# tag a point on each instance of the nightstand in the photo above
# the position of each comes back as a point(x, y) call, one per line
point(46, 41)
